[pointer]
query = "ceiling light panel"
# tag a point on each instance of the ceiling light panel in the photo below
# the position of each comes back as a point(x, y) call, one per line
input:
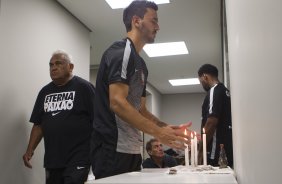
point(184, 82)
point(166, 49)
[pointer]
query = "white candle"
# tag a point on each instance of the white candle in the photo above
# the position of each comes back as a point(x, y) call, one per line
point(196, 149)
point(204, 147)
point(186, 152)
point(192, 151)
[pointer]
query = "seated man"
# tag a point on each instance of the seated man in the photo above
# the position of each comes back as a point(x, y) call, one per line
point(158, 159)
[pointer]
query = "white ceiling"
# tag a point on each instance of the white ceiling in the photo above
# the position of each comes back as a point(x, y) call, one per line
point(197, 22)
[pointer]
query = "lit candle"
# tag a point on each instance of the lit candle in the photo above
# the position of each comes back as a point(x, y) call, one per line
point(204, 147)
point(196, 149)
point(186, 152)
point(192, 151)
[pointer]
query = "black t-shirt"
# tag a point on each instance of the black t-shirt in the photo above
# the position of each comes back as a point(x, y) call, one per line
point(120, 63)
point(65, 114)
point(168, 161)
point(217, 104)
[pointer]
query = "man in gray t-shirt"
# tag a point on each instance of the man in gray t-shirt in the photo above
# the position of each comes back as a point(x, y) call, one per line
point(120, 112)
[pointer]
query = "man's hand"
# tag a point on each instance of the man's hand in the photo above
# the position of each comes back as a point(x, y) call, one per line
point(182, 126)
point(26, 158)
point(174, 137)
point(181, 129)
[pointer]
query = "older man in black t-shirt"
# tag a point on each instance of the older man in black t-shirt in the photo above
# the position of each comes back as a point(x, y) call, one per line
point(63, 115)
point(158, 159)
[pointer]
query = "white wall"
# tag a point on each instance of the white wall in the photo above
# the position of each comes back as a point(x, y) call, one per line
point(182, 108)
point(156, 100)
point(177, 109)
point(255, 47)
point(153, 104)
point(30, 30)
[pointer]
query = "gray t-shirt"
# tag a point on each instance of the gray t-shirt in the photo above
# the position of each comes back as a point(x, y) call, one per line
point(120, 63)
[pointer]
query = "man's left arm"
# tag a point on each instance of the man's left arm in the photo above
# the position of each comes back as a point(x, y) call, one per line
point(149, 115)
point(157, 121)
point(210, 128)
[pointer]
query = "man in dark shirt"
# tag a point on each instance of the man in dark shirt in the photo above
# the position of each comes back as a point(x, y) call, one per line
point(216, 116)
point(63, 115)
point(158, 159)
point(121, 99)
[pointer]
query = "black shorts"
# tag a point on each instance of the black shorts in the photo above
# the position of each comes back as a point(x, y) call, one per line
point(107, 162)
point(69, 175)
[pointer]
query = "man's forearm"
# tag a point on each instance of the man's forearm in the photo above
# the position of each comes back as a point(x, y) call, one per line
point(153, 118)
point(210, 128)
point(35, 137)
point(130, 115)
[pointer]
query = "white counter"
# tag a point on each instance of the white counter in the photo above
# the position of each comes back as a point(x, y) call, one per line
point(187, 176)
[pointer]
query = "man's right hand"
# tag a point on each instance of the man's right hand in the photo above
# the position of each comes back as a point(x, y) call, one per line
point(173, 137)
point(26, 158)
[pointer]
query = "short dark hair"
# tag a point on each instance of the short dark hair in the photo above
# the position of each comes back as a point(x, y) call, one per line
point(139, 8)
point(149, 144)
point(208, 69)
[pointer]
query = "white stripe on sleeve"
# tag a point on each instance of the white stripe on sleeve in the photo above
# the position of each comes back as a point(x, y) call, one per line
point(125, 60)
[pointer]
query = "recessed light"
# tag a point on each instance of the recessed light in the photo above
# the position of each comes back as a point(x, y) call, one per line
point(115, 4)
point(184, 82)
point(165, 49)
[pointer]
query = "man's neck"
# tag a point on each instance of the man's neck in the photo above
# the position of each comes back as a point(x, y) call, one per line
point(214, 82)
point(138, 43)
point(62, 83)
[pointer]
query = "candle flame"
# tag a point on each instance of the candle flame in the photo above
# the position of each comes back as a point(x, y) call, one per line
point(204, 130)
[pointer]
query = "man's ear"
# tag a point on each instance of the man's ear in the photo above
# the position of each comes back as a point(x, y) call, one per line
point(71, 65)
point(206, 77)
point(136, 21)
point(150, 153)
